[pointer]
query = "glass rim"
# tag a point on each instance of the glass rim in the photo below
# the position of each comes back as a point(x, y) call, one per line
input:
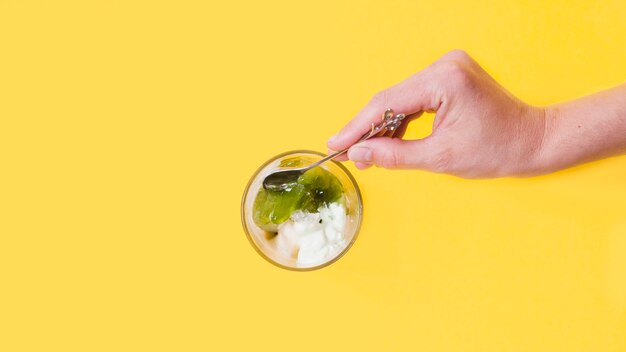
point(359, 205)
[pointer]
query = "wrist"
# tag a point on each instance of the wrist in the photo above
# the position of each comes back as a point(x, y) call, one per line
point(535, 132)
point(542, 159)
point(583, 130)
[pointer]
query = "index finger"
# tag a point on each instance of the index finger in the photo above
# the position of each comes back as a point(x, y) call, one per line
point(408, 97)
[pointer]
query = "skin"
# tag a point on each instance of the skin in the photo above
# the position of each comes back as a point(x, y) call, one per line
point(483, 131)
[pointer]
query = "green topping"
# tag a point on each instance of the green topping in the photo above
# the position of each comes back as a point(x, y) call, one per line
point(321, 188)
point(314, 188)
point(295, 162)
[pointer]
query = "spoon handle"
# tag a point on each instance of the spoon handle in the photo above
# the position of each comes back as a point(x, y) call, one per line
point(390, 122)
point(328, 157)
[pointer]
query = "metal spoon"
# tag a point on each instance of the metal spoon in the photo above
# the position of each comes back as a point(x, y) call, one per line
point(282, 180)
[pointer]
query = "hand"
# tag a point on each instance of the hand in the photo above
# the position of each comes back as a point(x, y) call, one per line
point(480, 129)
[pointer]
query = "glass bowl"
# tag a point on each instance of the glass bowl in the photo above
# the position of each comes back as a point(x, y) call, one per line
point(265, 245)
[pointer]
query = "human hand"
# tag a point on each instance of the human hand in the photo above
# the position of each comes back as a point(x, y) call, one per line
point(480, 130)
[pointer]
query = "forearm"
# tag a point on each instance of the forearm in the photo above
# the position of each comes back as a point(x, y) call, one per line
point(584, 130)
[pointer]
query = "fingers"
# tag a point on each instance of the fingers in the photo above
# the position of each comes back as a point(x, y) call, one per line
point(394, 153)
point(409, 96)
point(342, 157)
point(362, 166)
point(397, 133)
point(425, 91)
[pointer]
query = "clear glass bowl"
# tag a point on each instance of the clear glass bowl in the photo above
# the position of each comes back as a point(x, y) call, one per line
point(257, 236)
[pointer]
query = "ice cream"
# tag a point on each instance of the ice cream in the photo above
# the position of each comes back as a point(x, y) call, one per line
point(313, 238)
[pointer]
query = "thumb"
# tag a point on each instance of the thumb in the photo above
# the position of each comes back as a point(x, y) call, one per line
point(393, 153)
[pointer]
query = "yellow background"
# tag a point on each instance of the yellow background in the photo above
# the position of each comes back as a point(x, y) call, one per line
point(128, 130)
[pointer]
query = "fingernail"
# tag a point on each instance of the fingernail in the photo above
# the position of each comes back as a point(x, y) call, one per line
point(362, 166)
point(362, 154)
point(332, 139)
